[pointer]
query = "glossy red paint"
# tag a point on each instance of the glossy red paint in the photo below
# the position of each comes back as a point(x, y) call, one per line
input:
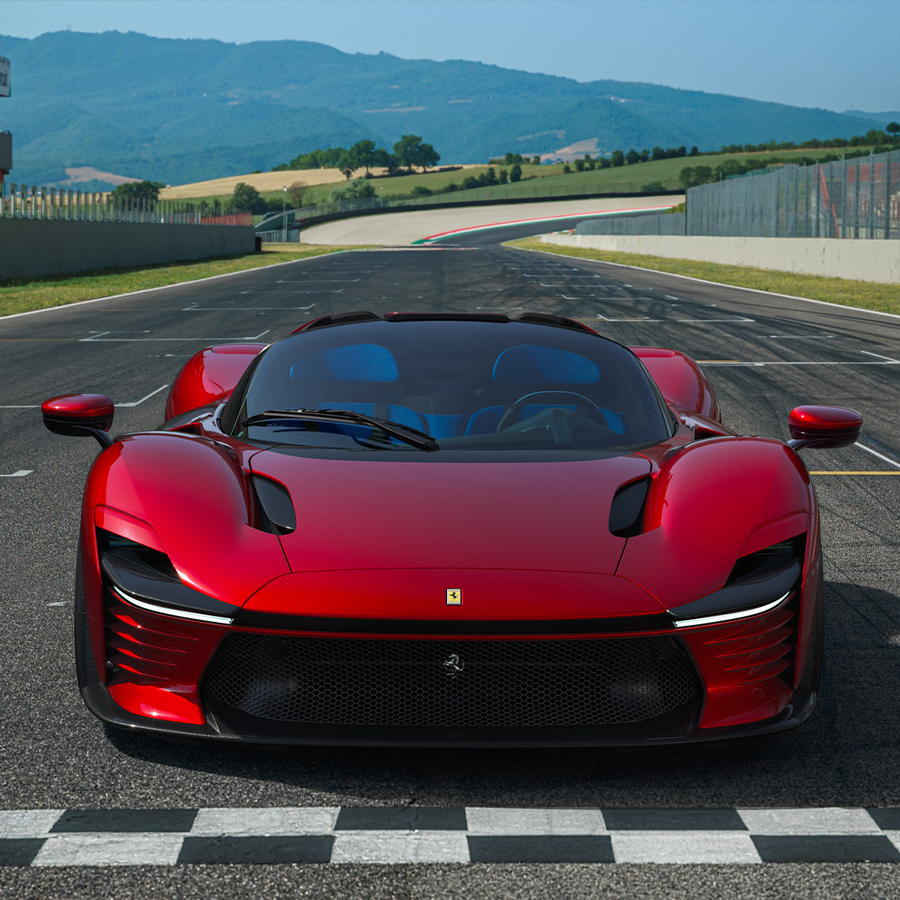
point(209, 376)
point(156, 662)
point(194, 492)
point(469, 516)
point(383, 541)
point(825, 426)
point(79, 407)
point(700, 518)
point(681, 381)
point(747, 666)
point(495, 595)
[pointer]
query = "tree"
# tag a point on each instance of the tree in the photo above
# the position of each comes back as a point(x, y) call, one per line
point(246, 197)
point(893, 128)
point(407, 150)
point(515, 173)
point(139, 190)
point(363, 154)
point(358, 189)
point(295, 192)
point(632, 157)
point(617, 158)
point(347, 164)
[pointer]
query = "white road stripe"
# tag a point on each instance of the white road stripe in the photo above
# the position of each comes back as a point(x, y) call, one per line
point(822, 820)
point(391, 847)
point(881, 456)
point(684, 847)
point(110, 850)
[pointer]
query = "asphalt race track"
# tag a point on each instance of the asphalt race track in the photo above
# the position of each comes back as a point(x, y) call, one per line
point(837, 777)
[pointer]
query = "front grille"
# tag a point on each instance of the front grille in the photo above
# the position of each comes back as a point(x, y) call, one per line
point(338, 681)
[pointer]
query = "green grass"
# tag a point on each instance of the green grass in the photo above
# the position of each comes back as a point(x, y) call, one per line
point(18, 295)
point(841, 291)
point(549, 181)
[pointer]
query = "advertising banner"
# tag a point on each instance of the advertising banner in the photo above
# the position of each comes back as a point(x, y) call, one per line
point(4, 76)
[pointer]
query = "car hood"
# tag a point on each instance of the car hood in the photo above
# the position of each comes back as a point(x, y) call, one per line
point(535, 516)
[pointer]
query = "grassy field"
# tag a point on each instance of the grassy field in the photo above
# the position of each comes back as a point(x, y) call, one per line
point(553, 182)
point(23, 296)
point(841, 291)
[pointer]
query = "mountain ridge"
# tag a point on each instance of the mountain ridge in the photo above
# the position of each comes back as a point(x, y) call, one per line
point(177, 110)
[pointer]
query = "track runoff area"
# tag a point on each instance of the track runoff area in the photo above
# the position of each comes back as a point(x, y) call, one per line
point(120, 807)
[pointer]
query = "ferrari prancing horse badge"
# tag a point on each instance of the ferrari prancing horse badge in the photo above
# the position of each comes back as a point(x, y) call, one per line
point(454, 596)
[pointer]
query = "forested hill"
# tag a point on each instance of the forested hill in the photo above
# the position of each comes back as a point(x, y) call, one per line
point(186, 110)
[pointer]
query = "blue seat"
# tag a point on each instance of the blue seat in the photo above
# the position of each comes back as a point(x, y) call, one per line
point(528, 368)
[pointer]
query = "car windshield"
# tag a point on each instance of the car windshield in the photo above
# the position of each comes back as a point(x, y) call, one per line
point(463, 385)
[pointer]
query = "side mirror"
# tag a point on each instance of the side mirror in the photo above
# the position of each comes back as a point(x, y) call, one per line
point(80, 415)
point(823, 427)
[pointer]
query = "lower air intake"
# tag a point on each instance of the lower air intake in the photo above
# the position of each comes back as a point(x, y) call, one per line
point(451, 683)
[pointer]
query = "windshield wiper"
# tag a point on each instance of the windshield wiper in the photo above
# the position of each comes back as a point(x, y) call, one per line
point(404, 433)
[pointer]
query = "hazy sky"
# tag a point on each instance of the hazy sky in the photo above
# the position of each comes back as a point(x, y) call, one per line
point(835, 54)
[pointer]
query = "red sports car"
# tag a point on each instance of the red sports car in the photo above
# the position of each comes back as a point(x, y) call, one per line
point(448, 529)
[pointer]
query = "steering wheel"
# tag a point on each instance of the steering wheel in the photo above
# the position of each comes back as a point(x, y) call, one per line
point(558, 420)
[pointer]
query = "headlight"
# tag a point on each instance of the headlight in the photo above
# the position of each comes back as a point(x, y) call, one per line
point(759, 583)
point(146, 578)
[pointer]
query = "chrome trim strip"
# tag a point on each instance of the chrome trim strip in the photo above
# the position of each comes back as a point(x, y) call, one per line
point(170, 611)
point(732, 616)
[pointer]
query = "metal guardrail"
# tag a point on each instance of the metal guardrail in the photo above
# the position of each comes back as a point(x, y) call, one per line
point(21, 201)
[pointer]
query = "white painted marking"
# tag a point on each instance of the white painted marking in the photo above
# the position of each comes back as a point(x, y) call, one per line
point(734, 320)
point(268, 821)
point(21, 473)
point(881, 456)
point(165, 287)
point(879, 356)
point(241, 308)
point(834, 306)
point(139, 402)
point(535, 821)
point(59, 603)
point(685, 847)
point(199, 340)
point(25, 823)
point(801, 337)
point(732, 362)
point(110, 850)
point(390, 847)
point(823, 820)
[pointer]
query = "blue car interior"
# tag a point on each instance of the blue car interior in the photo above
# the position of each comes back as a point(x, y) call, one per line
point(366, 378)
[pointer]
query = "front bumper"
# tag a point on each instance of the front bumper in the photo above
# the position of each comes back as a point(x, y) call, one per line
point(189, 679)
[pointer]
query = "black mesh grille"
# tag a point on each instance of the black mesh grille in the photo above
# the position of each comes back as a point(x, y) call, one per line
point(451, 683)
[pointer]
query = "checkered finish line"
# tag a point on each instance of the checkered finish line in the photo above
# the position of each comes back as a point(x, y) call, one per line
point(390, 835)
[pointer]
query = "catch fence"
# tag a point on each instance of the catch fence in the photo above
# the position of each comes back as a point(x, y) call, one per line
point(19, 201)
point(848, 199)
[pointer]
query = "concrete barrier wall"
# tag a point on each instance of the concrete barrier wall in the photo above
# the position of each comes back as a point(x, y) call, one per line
point(862, 260)
point(34, 248)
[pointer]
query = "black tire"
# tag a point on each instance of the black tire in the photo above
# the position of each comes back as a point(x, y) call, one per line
point(812, 672)
point(85, 666)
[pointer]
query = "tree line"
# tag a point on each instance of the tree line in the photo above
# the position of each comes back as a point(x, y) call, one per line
point(409, 152)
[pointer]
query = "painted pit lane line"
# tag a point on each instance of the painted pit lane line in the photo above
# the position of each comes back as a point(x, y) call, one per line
point(734, 287)
point(101, 337)
point(166, 287)
point(392, 835)
point(131, 404)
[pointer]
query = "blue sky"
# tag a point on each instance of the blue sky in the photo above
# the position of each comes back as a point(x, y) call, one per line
point(834, 54)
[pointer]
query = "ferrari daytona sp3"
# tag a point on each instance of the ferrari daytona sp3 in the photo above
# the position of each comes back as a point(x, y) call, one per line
point(448, 529)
